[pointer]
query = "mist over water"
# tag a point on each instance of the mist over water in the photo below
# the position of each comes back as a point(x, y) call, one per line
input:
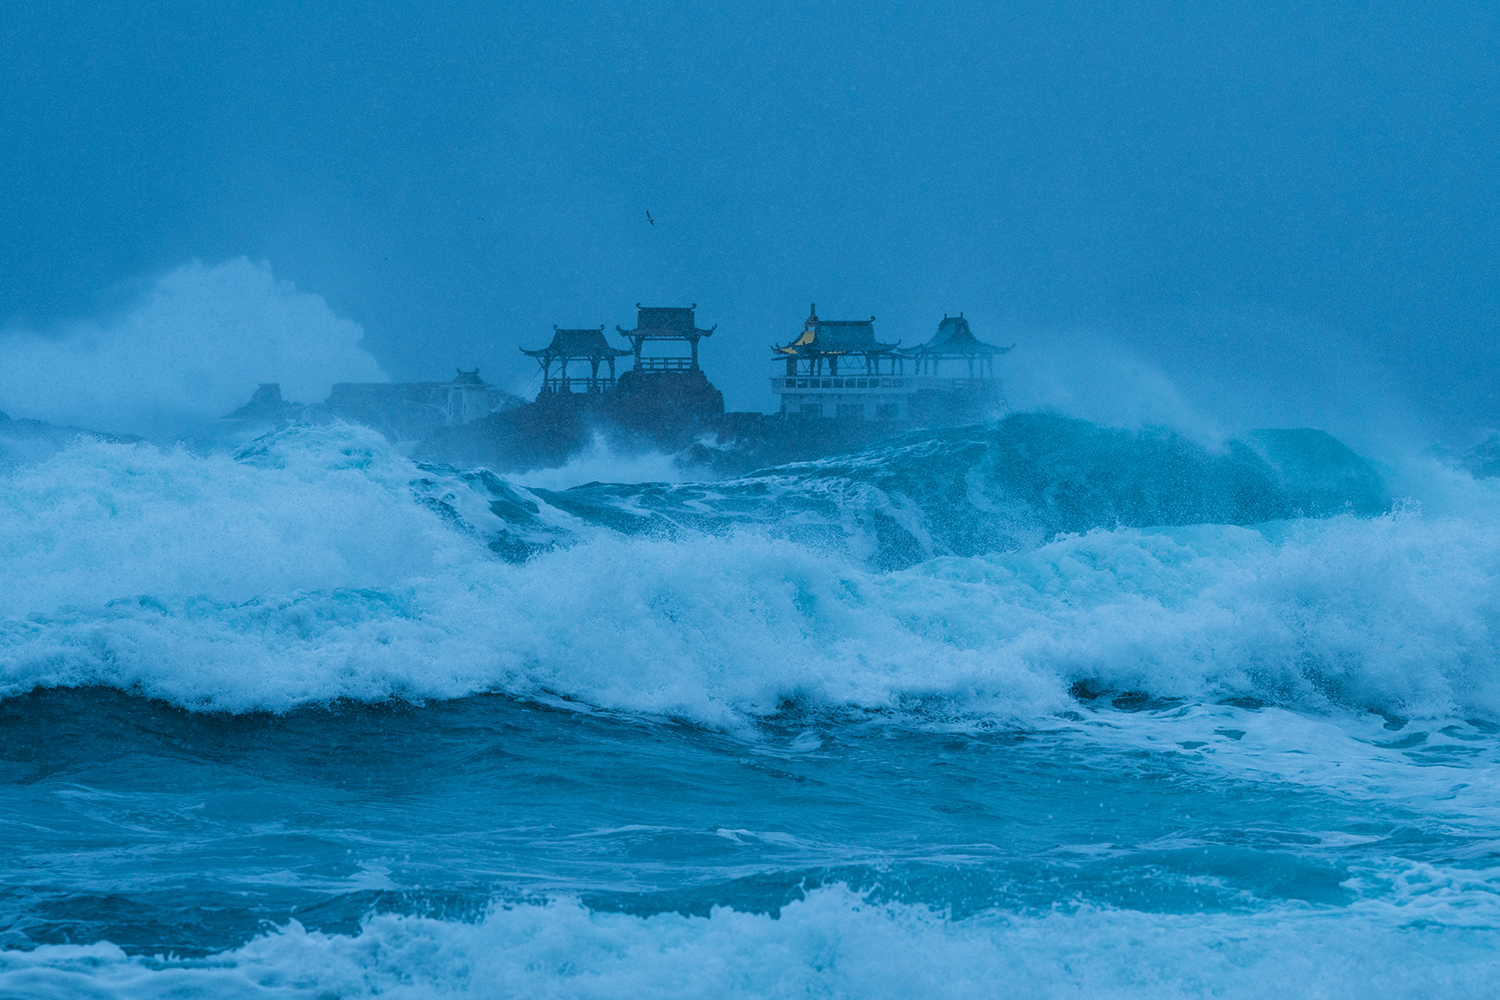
point(1117, 694)
point(181, 353)
point(1210, 375)
point(186, 348)
point(1180, 678)
point(1080, 707)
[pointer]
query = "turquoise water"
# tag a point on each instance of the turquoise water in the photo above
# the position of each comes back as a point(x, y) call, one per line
point(972, 714)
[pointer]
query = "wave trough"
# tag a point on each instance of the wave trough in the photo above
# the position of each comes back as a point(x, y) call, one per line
point(1035, 705)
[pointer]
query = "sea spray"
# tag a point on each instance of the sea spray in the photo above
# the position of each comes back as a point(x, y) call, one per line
point(318, 565)
point(833, 944)
point(316, 719)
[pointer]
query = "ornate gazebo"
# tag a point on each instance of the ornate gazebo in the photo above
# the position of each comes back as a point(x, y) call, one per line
point(577, 345)
point(665, 325)
point(954, 341)
point(831, 341)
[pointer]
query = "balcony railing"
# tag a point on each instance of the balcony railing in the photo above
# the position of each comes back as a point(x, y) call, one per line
point(665, 364)
point(871, 383)
point(584, 384)
point(884, 383)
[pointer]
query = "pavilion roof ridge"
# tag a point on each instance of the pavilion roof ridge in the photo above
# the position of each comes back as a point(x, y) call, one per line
point(587, 342)
point(835, 336)
point(955, 339)
point(666, 323)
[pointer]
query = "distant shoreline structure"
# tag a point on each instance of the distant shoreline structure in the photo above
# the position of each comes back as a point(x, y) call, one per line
point(839, 388)
point(874, 383)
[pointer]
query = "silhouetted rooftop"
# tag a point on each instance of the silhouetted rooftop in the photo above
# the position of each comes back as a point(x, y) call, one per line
point(666, 323)
point(954, 338)
point(589, 343)
point(836, 336)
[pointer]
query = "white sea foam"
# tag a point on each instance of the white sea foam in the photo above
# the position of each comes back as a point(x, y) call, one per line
point(600, 463)
point(105, 521)
point(308, 572)
point(833, 944)
point(313, 567)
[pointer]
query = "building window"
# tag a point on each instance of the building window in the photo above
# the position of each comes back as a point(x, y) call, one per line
point(852, 411)
point(812, 409)
point(888, 411)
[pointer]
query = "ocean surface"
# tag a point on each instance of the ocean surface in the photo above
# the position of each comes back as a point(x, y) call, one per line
point(1034, 708)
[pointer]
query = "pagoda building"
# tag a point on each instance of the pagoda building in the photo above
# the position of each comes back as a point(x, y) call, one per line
point(826, 342)
point(669, 330)
point(955, 342)
point(664, 389)
point(567, 346)
point(836, 368)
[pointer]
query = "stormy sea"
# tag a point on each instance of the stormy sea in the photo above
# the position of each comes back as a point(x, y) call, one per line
point(1035, 707)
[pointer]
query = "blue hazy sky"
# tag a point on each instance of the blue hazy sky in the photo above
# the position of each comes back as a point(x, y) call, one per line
point(1248, 195)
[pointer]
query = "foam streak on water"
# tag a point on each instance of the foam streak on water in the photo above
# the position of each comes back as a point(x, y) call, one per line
point(312, 720)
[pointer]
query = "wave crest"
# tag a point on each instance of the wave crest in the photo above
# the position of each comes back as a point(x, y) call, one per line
point(319, 565)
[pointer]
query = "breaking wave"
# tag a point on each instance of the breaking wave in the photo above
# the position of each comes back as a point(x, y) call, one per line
point(317, 565)
point(834, 943)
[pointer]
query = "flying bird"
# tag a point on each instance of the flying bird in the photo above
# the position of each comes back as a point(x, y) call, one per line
point(649, 219)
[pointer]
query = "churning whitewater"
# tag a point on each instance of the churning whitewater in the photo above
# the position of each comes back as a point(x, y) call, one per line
point(1034, 707)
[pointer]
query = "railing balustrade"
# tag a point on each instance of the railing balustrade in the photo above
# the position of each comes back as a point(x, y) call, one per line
point(583, 384)
point(903, 383)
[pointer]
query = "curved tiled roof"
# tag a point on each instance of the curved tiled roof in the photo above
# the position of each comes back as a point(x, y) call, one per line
point(955, 339)
point(666, 323)
point(589, 343)
point(835, 336)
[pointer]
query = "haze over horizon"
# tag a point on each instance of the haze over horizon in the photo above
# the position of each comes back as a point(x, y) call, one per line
point(1253, 214)
point(1182, 680)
